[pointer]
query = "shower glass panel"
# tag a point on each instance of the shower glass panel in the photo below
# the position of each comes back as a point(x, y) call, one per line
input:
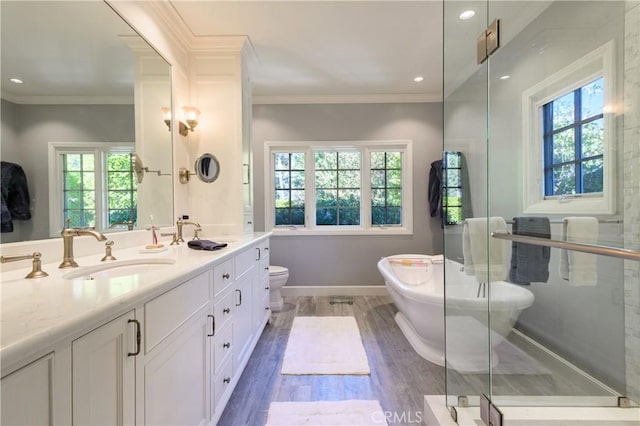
point(465, 132)
point(549, 127)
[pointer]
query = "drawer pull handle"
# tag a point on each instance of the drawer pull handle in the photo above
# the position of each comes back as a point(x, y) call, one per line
point(258, 253)
point(226, 276)
point(226, 380)
point(226, 345)
point(240, 299)
point(226, 311)
point(138, 337)
point(213, 325)
point(266, 288)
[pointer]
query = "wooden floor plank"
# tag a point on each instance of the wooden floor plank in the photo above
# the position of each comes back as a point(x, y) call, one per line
point(399, 376)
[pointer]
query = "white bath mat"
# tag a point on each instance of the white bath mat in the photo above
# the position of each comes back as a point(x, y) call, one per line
point(325, 345)
point(353, 412)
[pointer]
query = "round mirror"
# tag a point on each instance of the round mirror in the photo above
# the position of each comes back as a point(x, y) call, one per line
point(138, 167)
point(207, 167)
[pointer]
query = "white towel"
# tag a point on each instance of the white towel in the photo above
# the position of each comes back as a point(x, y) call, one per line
point(484, 256)
point(576, 267)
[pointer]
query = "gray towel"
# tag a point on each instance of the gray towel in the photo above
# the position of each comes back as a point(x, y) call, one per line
point(205, 245)
point(530, 263)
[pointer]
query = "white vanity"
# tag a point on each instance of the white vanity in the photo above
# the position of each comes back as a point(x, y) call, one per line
point(157, 345)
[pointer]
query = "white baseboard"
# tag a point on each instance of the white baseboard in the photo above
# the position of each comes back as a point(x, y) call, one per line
point(351, 290)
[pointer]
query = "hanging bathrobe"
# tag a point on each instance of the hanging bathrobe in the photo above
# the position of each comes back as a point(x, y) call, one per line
point(15, 196)
point(435, 189)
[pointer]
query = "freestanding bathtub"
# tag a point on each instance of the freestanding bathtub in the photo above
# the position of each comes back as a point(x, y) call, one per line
point(416, 285)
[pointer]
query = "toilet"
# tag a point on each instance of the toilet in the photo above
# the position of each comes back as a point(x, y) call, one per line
point(278, 276)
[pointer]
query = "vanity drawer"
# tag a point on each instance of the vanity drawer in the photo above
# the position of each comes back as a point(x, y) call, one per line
point(222, 382)
point(223, 309)
point(166, 313)
point(222, 276)
point(245, 260)
point(223, 346)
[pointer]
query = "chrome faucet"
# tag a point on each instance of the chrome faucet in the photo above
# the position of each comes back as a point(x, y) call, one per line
point(67, 239)
point(179, 224)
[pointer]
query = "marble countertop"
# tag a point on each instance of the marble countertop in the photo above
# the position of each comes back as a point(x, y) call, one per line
point(38, 314)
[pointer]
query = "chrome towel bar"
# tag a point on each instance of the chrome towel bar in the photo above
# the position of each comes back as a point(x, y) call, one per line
point(566, 245)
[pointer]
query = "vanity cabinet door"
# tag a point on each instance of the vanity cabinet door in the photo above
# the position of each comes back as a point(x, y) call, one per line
point(173, 375)
point(242, 317)
point(103, 365)
point(174, 379)
point(261, 310)
point(28, 394)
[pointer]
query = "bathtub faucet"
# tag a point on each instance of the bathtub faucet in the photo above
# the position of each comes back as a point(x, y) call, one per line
point(483, 287)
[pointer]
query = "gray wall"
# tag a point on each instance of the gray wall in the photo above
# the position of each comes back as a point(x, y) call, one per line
point(26, 132)
point(350, 260)
point(583, 324)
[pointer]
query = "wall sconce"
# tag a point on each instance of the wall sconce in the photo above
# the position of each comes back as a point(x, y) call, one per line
point(188, 114)
point(166, 116)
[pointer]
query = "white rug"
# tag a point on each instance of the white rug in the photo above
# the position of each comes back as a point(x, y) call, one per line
point(353, 412)
point(325, 345)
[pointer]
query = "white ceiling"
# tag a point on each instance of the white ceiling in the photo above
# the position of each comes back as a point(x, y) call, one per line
point(307, 51)
point(352, 49)
point(65, 50)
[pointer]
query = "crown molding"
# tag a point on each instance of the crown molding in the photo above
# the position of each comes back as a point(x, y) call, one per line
point(68, 100)
point(172, 23)
point(348, 99)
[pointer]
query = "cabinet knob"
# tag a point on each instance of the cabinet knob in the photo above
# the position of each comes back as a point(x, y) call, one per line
point(266, 288)
point(266, 268)
point(226, 345)
point(226, 380)
point(226, 310)
point(266, 309)
point(226, 276)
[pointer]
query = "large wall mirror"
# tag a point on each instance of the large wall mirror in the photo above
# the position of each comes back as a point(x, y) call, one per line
point(90, 96)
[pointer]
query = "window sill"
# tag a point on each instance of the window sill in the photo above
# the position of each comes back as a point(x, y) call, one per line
point(302, 232)
point(591, 205)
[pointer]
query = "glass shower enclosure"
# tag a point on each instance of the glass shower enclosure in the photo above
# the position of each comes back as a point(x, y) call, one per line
point(541, 101)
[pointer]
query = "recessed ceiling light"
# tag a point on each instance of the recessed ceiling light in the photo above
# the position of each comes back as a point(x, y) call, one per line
point(418, 79)
point(505, 77)
point(16, 80)
point(467, 14)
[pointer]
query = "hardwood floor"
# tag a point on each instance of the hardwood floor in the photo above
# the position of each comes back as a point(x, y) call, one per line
point(399, 376)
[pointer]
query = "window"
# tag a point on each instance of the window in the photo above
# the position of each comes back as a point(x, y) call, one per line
point(386, 188)
point(289, 188)
point(337, 187)
point(568, 138)
point(354, 187)
point(452, 187)
point(91, 185)
point(574, 140)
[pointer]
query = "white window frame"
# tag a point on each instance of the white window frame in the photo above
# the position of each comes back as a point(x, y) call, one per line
point(365, 227)
point(598, 63)
point(56, 203)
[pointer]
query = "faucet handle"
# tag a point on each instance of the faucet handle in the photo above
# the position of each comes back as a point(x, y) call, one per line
point(36, 270)
point(107, 254)
point(174, 240)
point(195, 233)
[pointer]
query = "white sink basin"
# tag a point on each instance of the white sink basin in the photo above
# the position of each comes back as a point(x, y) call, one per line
point(119, 268)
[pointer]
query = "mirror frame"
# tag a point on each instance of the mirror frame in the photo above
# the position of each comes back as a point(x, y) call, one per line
point(205, 162)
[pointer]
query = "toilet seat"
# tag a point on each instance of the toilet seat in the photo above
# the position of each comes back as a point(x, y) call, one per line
point(277, 270)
